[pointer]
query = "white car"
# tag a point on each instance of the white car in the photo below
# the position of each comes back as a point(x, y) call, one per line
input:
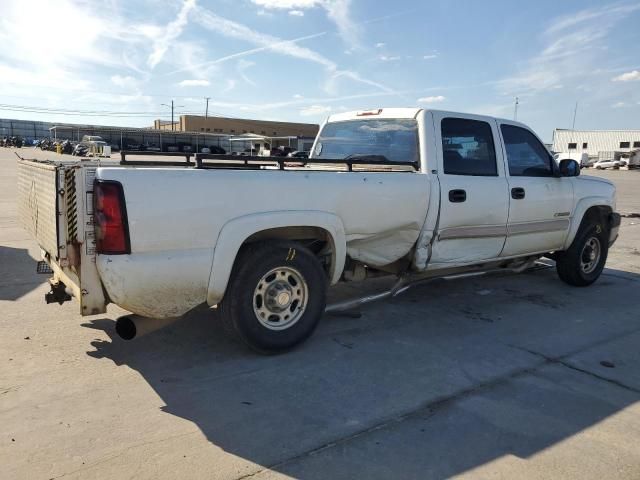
point(405, 192)
point(602, 164)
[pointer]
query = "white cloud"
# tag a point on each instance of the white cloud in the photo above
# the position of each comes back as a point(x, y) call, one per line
point(430, 56)
point(242, 67)
point(194, 83)
point(315, 110)
point(296, 13)
point(287, 4)
point(231, 29)
point(297, 96)
point(266, 42)
point(572, 47)
point(338, 12)
point(172, 31)
point(389, 58)
point(433, 99)
point(380, 44)
point(124, 81)
point(632, 76)
point(231, 84)
point(331, 84)
point(25, 25)
point(619, 105)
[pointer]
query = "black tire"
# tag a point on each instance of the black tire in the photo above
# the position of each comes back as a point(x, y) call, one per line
point(575, 265)
point(302, 278)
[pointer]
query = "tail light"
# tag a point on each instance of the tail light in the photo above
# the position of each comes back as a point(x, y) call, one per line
point(110, 218)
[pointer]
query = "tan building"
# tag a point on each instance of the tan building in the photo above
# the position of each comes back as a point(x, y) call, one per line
point(238, 126)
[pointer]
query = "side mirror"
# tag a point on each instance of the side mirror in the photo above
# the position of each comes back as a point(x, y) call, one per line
point(569, 168)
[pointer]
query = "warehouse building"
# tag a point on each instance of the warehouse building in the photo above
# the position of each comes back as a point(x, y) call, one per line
point(163, 138)
point(602, 144)
point(238, 126)
point(28, 130)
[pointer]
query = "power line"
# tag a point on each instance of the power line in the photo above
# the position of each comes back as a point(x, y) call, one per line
point(63, 111)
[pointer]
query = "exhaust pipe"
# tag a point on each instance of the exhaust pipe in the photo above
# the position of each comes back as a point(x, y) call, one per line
point(134, 326)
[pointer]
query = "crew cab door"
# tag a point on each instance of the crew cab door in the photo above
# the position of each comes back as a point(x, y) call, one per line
point(540, 204)
point(474, 201)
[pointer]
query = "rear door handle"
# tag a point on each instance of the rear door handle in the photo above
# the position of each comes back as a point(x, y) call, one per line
point(457, 196)
point(517, 193)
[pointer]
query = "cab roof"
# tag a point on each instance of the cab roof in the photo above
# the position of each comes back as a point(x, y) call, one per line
point(406, 113)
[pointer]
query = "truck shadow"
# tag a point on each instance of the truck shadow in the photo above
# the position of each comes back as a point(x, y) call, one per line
point(18, 271)
point(444, 379)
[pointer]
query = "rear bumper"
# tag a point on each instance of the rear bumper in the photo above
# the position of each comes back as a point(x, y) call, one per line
point(614, 227)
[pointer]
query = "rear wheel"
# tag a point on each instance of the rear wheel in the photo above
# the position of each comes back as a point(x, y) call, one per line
point(275, 297)
point(582, 263)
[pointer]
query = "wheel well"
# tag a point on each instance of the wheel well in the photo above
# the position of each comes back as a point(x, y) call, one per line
point(316, 239)
point(595, 214)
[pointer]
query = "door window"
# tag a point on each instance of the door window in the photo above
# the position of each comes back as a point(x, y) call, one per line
point(468, 148)
point(527, 157)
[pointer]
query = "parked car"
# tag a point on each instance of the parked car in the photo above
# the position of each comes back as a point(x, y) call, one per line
point(132, 145)
point(280, 151)
point(94, 144)
point(92, 138)
point(602, 164)
point(427, 194)
point(216, 150)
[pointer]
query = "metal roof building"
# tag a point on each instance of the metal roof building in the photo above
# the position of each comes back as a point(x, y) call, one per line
point(593, 142)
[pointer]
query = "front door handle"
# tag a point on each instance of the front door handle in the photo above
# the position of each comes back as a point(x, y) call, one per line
point(517, 193)
point(457, 196)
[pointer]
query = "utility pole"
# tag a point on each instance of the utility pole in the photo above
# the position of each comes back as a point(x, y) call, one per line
point(515, 110)
point(172, 108)
point(206, 109)
point(575, 112)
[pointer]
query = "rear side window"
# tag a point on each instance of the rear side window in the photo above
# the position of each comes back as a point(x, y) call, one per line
point(468, 148)
point(527, 157)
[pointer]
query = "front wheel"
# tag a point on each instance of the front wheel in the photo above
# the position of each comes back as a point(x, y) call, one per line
point(275, 297)
point(582, 263)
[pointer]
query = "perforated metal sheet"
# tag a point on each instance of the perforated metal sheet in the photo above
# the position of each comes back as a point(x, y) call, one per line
point(37, 195)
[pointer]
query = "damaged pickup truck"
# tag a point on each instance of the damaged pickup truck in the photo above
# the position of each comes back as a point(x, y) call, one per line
point(405, 192)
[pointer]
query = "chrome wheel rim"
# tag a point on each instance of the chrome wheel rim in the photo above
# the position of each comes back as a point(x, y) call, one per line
point(280, 298)
point(590, 256)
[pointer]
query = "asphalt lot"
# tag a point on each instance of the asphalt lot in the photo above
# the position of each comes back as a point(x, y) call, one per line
point(490, 377)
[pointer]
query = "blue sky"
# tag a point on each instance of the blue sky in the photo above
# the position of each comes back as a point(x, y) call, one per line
point(114, 62)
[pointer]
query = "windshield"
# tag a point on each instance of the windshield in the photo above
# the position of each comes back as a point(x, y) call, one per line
point(392, 140)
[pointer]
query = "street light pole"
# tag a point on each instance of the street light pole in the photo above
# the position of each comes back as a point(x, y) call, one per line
point(172, 108)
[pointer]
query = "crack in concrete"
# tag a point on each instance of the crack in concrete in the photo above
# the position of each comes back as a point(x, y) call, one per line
point(426, 411)
point(122, 452)
point(434, 406)
point(563, 360)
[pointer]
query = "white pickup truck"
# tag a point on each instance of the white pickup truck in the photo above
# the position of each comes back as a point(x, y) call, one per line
point(406, 192)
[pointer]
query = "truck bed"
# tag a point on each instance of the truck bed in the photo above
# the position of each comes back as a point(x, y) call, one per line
point(179, 211)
